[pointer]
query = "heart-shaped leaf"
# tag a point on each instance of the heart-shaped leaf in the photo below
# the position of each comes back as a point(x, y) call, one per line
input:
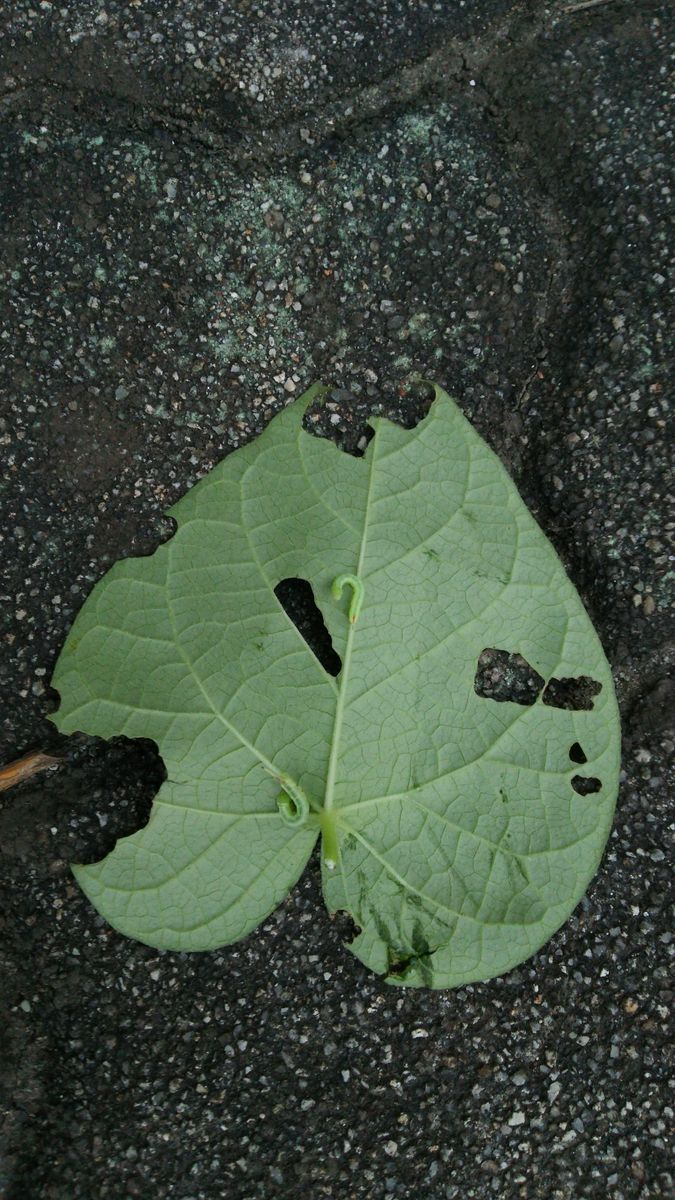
point(462, 767)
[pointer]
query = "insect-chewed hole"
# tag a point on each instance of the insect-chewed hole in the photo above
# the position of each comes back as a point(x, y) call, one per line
point(575, 693)
point(503, 676)
point(344, 424)
point(155, 533)
point(586, 785)
point(347, 928)
point(365, 438)
point(297, 600)
point(576, 754)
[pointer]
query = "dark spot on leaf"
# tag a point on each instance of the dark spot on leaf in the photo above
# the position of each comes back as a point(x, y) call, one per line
point(399, 966)
point(586, 785)
point(503, 796)
point(383, 932)
point(403, 963)
point(575, 693)
point(419, 940)
point(297, 600)
point(504, 676)
point(576, 753)
point(363, 889)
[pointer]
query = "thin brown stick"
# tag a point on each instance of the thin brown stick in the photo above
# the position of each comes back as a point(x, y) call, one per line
point(573, 8)
point(24, 768)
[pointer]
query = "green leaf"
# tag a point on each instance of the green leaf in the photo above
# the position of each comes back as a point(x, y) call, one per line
point(455, 827)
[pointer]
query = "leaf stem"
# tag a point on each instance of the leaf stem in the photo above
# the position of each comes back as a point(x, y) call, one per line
point(330, 844)
point(337, 727)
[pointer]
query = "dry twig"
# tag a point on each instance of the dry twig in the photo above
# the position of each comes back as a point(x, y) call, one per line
point(24, 768)
point(573, 8)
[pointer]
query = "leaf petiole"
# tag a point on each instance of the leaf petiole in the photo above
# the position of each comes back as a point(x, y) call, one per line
point(330, 848)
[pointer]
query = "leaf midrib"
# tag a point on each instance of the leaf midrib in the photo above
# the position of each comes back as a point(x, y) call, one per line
point(344, 674)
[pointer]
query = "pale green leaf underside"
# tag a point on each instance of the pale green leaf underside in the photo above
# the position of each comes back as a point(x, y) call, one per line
point(461, 845)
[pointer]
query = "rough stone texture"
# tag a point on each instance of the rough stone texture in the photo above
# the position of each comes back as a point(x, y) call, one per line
point(243, 63)
point(205, 207)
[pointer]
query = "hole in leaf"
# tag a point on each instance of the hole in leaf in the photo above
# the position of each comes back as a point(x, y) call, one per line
point(347, 928)
point(297, 600)
point(576, 753)
point(364, 441)
point(158, 530)
point(575, 693)
point(586, 785)
point(349, 432)
point(503, 676)
point(165, 527)
point(110, 787)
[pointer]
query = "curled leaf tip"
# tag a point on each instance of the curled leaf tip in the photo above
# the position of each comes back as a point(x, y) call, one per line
point(358, 592)
point(292, 802)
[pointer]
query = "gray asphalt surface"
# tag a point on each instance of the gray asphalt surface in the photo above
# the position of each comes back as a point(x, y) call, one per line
point(204, 208)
